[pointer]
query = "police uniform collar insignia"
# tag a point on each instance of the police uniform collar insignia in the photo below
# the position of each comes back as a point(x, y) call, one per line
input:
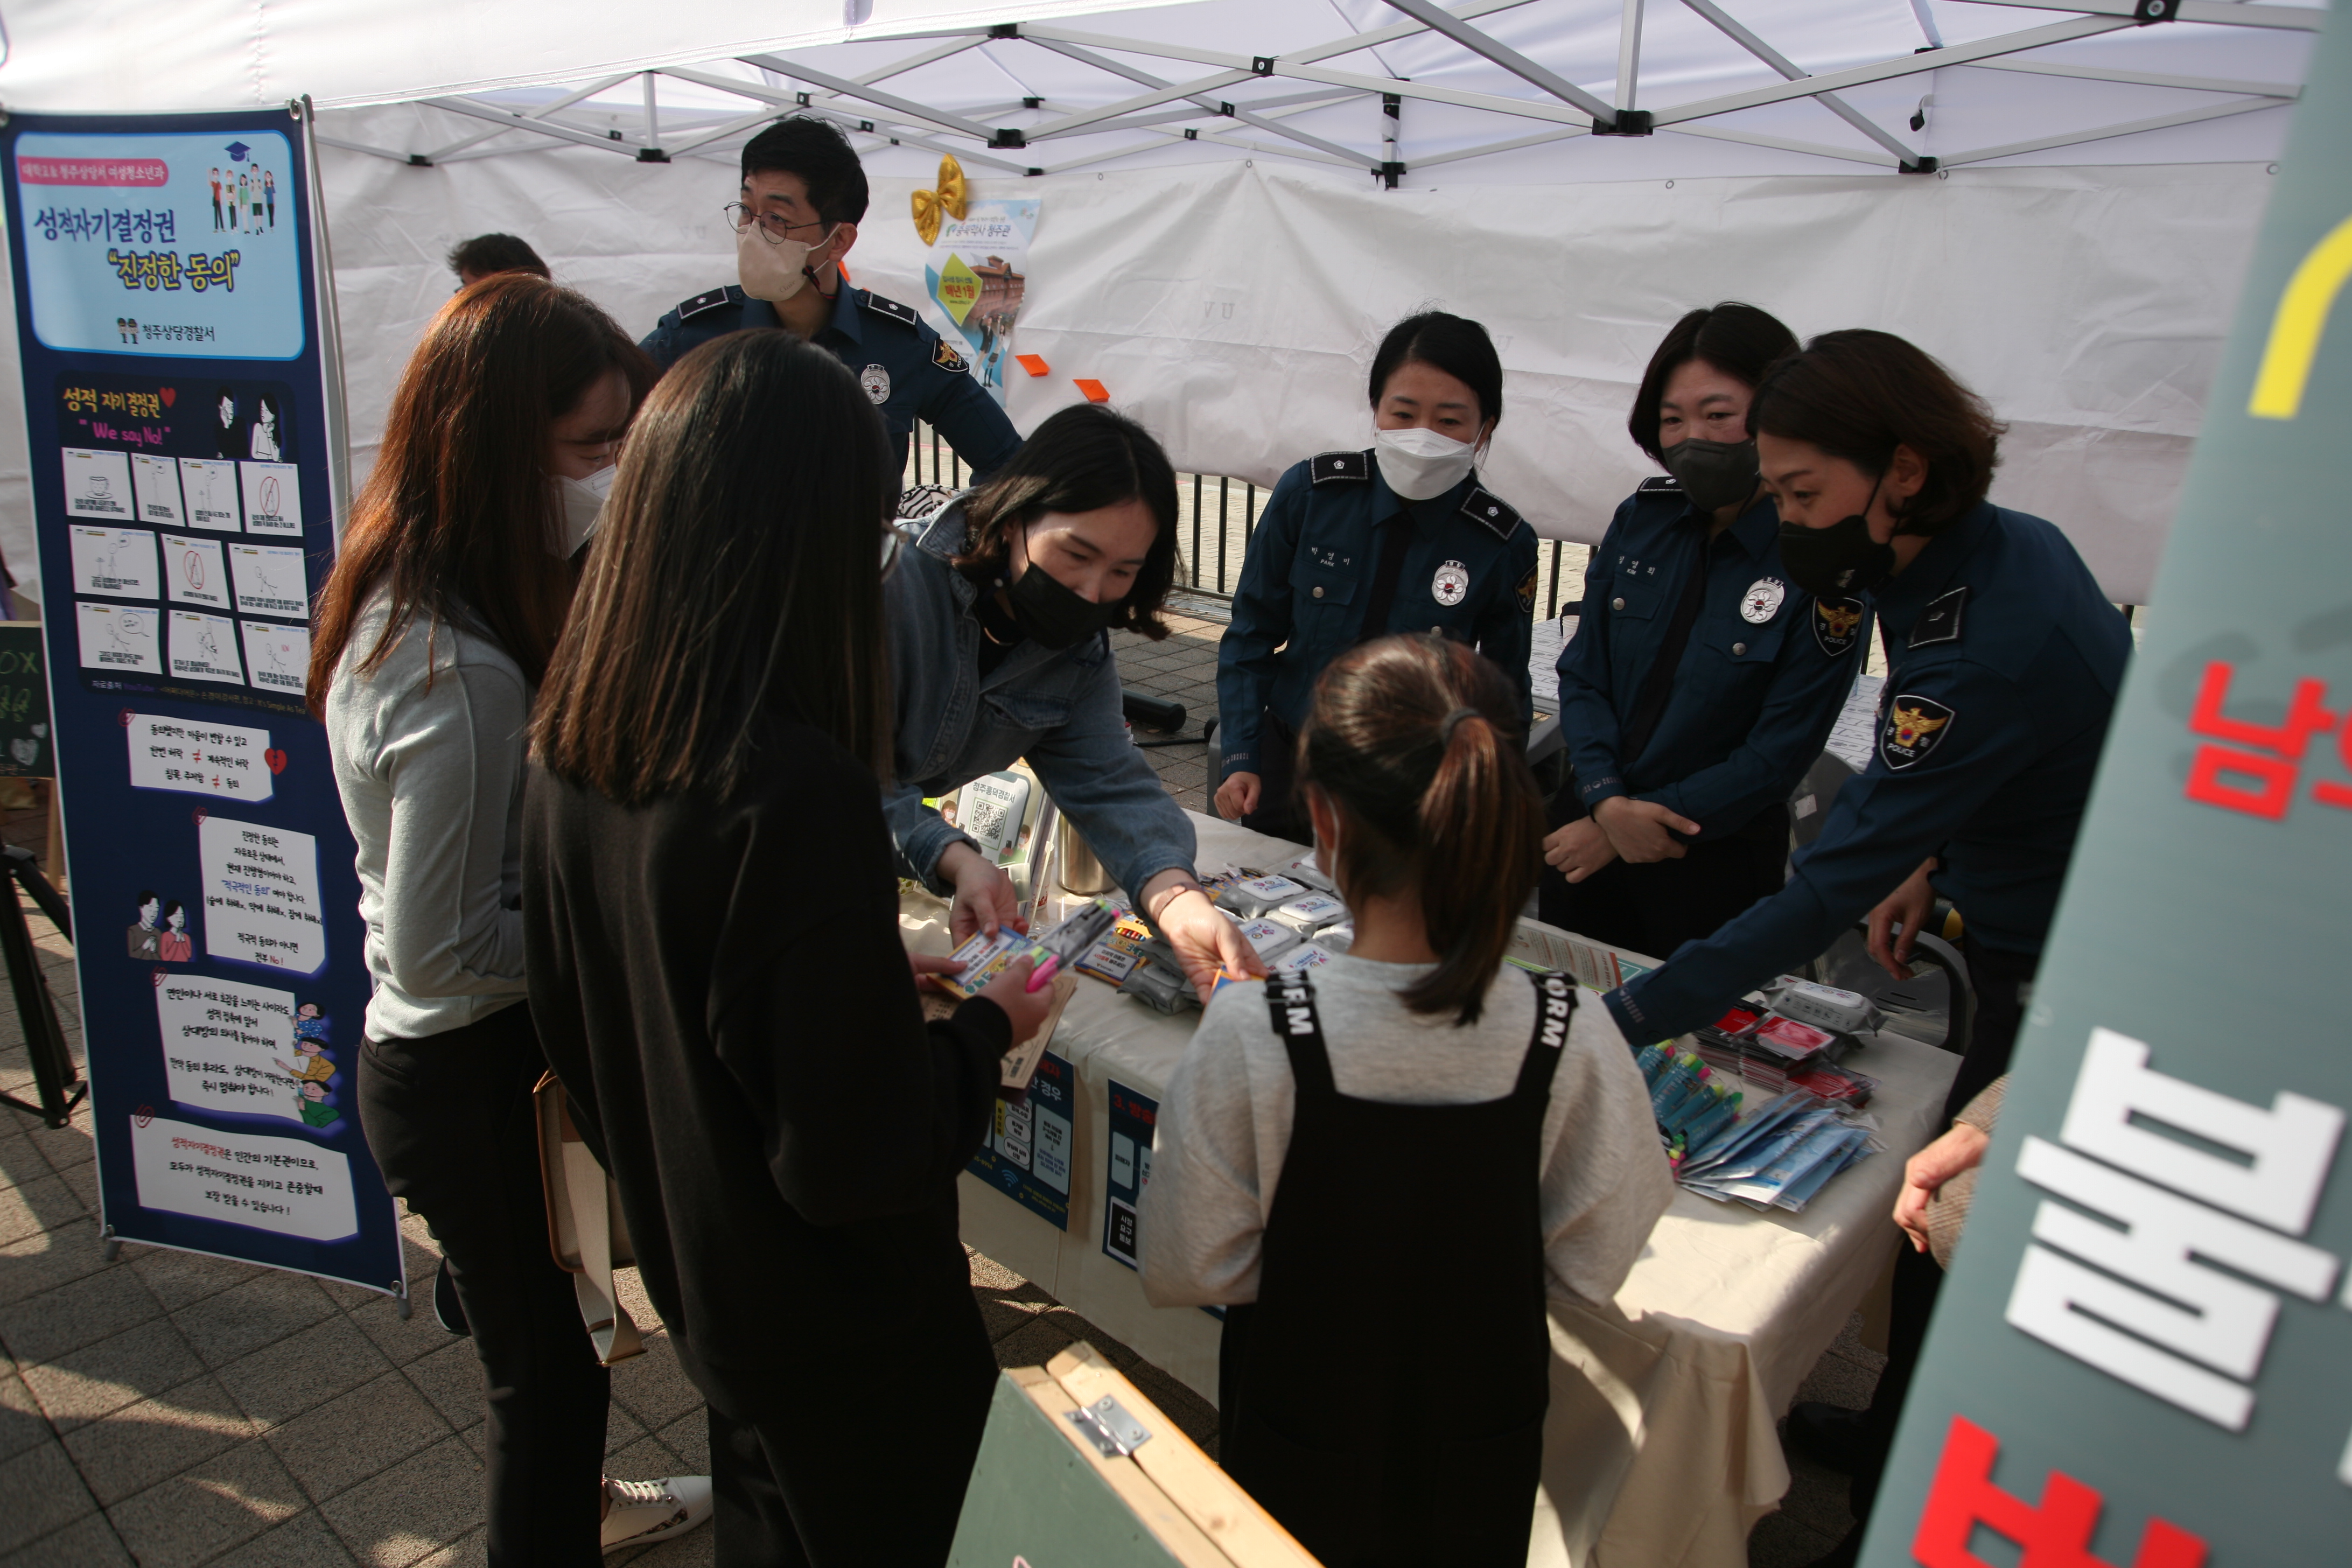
point(1762, 600)
point(1451, 585)
point(1837, 623)
point(1491, 510)
point(890, 308)
point(1340, 466)
point(1940, 621)
point(731, 295)
point(1914, 726)
point(1662, 484)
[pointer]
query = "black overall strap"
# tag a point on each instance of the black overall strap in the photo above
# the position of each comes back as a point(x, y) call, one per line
point(1555, 1006)
point(1290, 1008)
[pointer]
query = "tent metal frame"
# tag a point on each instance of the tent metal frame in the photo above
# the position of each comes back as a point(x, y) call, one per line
point(1198, 109)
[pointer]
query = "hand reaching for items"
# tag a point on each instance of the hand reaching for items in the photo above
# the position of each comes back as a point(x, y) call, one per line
point(1905, 909)
point(984, 895)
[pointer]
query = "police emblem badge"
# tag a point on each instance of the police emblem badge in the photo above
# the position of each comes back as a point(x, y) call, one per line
point(1914, 726)
point(1452, 583)
point(1836, 624)
point(1762, 600)
point(876, 383)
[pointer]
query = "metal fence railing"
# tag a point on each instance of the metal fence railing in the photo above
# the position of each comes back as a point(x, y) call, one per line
point(1217, 518)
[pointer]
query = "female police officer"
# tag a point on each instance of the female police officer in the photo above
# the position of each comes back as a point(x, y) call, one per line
point(2005, 662)
point(997, 617)
point(1699, 686)
point(1353, 545)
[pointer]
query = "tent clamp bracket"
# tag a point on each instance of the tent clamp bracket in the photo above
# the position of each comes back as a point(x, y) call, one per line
point(2144, 12)
point(1034, 172)
point(1008, 137)
point(1032, 103)
point(419, 160)
point(1191, 133)
point(1004, 30)
point(652, 155)
point(1225, 107)
point(1389, 173)
point(1916, 166)
point(1263, 65)
point(1628, 122)
point(804, 98)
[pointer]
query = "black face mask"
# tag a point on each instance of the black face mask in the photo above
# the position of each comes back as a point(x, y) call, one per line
point(1054, 616)
point(1715, 474)
point(1840, 559)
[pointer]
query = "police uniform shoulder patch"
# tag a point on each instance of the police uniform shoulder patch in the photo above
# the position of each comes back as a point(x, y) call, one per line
point(1661, 485)
point(1340, 466)
point(944, 356)
point(1914, 726)
point(1837, 625)
point(890, 308)
point(1486, 506)
point(1526, 592)
point(1940, 621)
point(689, 308)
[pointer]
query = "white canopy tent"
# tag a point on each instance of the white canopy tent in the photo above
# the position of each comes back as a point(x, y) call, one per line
point(1239, 196)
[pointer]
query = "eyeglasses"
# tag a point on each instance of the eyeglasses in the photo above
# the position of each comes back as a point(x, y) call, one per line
point(772, 226)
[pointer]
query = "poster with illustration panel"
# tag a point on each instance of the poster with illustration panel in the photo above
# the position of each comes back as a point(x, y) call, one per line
point(176, 381)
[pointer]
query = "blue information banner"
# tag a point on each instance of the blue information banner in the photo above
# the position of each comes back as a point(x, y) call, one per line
point(168, 324)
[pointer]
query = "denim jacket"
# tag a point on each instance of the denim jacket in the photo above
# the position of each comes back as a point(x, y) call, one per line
point(1060, 709)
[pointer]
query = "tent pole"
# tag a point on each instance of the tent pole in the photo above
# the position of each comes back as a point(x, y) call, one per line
point(331, 327)
point(652, 113)
point(1629, 53)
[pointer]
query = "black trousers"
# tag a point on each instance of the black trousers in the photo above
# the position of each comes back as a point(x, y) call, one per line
point(1280, 813)
point(1655, 908)
point(792, 1487)
point(449, 1121)
point(2002, 982)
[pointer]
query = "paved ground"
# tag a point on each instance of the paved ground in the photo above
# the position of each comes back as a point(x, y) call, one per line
point(172, 1409)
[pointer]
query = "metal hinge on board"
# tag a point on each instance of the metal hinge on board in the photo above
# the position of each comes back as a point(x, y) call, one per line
point(1109, 1427)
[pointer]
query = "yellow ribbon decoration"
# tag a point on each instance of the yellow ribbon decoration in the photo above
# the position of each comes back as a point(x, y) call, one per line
point(931, 207)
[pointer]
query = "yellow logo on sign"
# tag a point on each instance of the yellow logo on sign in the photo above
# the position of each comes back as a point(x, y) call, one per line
point(2301, 320)
point(959, 288)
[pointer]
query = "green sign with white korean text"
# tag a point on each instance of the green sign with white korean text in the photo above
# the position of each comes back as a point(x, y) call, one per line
point(2143, 1357)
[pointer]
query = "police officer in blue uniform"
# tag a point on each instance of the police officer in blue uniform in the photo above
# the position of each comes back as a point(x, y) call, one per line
point(804, 196)
point(1354, 545)
point(1700, 684)
point(2005, 660)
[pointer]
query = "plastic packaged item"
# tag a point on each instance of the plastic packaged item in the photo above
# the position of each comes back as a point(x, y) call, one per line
point(1338, 939)
point(1256, 895)
point(1825, 1006)
point(981, 957)
point(1303, 957)
point(1159, 983)
point(1267, 940)
point(1306, 868)
point(1310, 914)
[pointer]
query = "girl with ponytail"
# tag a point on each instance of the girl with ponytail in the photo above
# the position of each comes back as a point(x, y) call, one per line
point(1414, 1099)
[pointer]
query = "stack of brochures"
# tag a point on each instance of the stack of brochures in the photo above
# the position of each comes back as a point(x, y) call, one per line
point(1772, 1054)
point(1728, 1142)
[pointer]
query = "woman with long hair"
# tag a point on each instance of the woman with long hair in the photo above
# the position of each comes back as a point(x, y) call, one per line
point(710, 921)
point(999, 652)
point(433, 632)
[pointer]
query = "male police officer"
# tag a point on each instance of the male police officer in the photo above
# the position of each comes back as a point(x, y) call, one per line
point(2005, 660)
point(804, 196)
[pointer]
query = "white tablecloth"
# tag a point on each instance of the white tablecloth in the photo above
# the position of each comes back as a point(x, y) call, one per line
point(1660, 1448)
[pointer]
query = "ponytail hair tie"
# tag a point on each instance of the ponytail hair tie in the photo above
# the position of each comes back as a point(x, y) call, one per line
point(1446, 725)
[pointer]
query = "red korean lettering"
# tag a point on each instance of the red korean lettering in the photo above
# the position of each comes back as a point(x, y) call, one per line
point(2236, 778)
point(2054, 1533)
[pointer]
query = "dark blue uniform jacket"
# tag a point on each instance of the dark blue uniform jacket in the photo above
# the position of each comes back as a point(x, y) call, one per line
point(1469, 573)
point(1758, 688)
point(908, 370)
point(2005, 662)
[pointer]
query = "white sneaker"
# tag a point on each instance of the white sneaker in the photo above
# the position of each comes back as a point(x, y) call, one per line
point(647, 1513)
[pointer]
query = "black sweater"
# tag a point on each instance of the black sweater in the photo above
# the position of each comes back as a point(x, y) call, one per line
point(722, 988)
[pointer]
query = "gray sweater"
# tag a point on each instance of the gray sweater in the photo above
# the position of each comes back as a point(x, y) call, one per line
point(432, 787)
point(1224, 1126)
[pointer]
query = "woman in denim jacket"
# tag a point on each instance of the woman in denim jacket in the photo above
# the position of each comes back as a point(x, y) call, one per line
point(999, 650)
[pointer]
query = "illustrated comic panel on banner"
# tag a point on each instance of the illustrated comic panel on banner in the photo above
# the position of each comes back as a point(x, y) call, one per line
point(175, 409)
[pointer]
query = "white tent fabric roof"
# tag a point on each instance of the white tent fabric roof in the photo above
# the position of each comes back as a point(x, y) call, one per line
point(2074, 254)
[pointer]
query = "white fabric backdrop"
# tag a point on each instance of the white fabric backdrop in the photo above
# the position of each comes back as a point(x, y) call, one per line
point(1234, 307)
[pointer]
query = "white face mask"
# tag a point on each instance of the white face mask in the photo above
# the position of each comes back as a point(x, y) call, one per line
point(771, 271)
point(1420, 463)
point(584, 503)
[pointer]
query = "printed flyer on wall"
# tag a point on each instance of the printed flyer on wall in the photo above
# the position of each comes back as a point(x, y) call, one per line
point(976, 272)
point(175, 406)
